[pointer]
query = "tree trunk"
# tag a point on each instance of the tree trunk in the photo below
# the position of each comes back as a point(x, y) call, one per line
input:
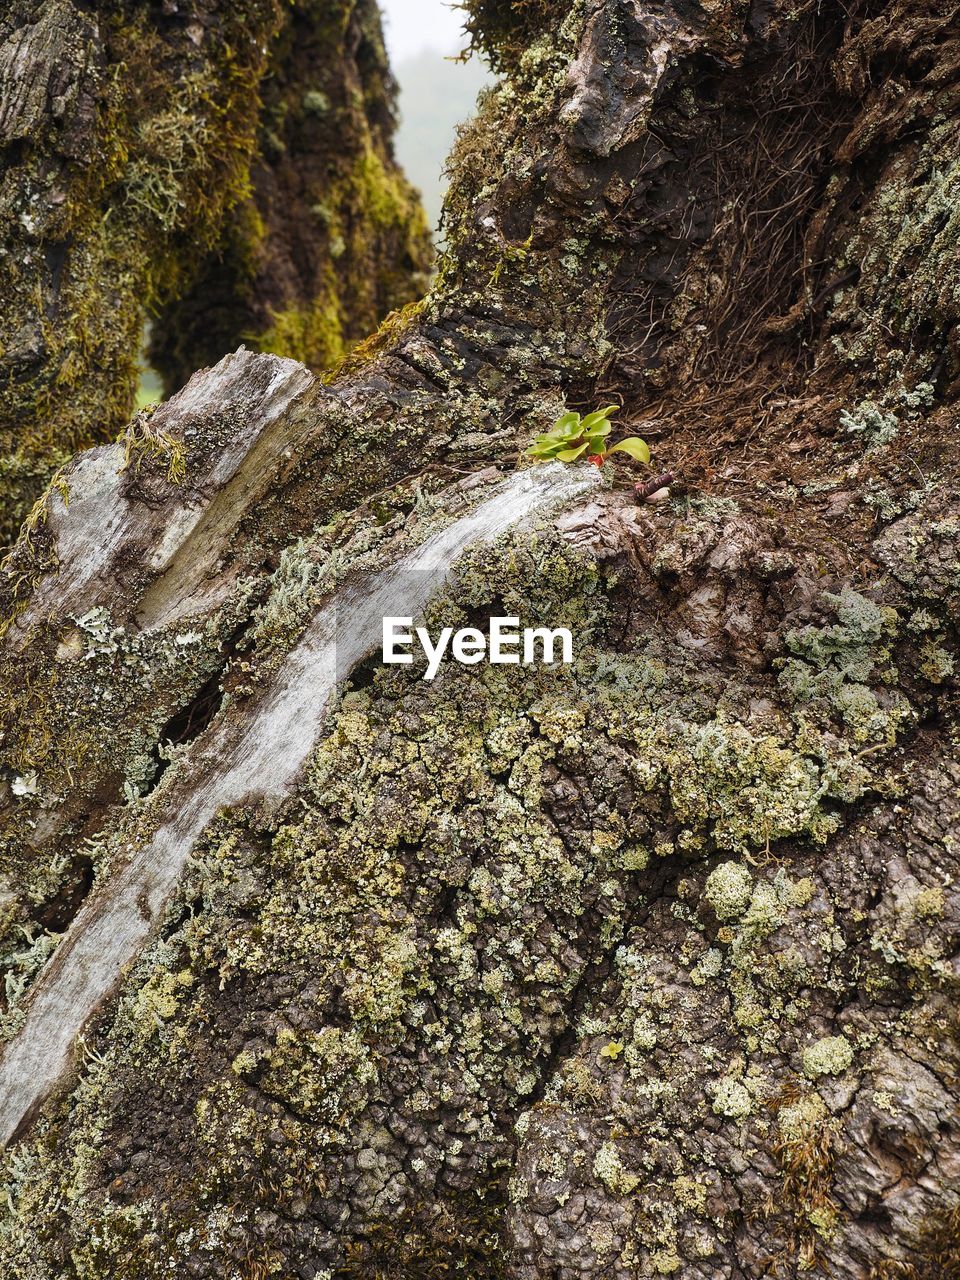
point(642, 966)
point(219, 132)
point(332, 237)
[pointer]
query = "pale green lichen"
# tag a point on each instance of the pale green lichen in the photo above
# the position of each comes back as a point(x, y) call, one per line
point(830, 1056)
point(607, 1166)
point(936, 663)
point(831, 666)
point(749, 789)
point(728, 890)
point(666, 1261)
point(709, 966)
point(903, 248)
point(797, 1119)
point(871, 423)
point(732, 1099)
point(158, 1000)
point(928, 903)
point(346, 897)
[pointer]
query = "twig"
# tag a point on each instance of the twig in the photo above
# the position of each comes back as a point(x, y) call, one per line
point(643, 491)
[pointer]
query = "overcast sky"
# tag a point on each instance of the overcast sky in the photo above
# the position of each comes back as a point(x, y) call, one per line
point(413, 25)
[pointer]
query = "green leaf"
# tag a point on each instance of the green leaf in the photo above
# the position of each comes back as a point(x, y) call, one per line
point(571, 436)
point(593, 420)
point(544, 449)
point(635, 447)
point(570, 455)
point(566, 425)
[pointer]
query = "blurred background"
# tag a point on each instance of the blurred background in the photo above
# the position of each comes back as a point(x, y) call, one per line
point(438, 88)
point(437, 92)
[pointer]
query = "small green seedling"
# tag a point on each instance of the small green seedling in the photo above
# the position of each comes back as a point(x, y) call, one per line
point(571, 437)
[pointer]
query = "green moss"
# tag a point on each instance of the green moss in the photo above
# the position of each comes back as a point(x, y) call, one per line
point(312, 334)
point(142, 440)
point(805, 1147)
point(375, 227)
point(316, 102)
point(505, 35)
point(166, 224)
point(389, 332)
point(173, 152)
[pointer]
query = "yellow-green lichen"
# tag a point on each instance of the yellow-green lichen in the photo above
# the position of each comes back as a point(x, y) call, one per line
point(829, 1056)
point(728, 890)
point(732, 1099)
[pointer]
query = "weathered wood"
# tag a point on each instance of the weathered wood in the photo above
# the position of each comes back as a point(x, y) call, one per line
point(253, 762)
point(110, 518)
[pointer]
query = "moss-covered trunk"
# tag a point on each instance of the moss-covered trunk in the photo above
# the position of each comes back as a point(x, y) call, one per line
point(224, 170)
point(331, 237)
point(645, 966)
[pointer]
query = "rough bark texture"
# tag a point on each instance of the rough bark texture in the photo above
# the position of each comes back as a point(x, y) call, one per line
point(150, 153)
point(644, 967)
point(331, 237)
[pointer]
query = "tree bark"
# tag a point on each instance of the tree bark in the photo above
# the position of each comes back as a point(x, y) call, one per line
point(332, 237)
point(218, 133)
point(645, 966)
